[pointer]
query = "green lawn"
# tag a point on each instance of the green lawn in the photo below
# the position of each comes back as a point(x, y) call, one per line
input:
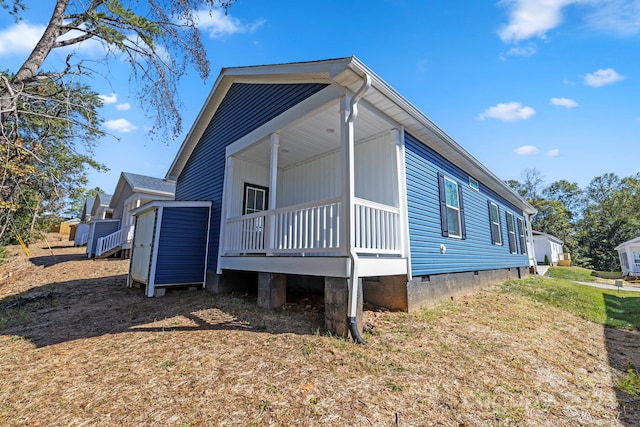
point(606, 307)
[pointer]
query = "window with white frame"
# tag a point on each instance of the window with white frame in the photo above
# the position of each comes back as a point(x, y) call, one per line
point(255, 198)
point(521, 236)
point(451, 208)
point(511, 230)
point(473, 183)
point(494, 219)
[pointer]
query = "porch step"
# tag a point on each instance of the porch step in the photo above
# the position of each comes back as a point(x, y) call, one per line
point(109, 252)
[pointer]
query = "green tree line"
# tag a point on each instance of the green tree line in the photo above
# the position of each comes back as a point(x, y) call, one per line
point(591, 221)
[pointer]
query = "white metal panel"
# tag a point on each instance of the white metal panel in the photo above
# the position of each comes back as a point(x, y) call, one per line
point(249, 172)
point(316, 179)
point(143, 247)
point(376, 176)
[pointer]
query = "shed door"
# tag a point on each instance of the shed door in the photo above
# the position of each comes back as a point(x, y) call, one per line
point(143, 246)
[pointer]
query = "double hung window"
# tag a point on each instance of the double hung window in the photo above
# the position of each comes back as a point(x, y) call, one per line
point(511, 230)
point(494, 219)
point(451, 208)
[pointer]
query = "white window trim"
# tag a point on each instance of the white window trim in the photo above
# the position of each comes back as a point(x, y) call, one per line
point(457, 209)
point(499, 224)
point(512, 232)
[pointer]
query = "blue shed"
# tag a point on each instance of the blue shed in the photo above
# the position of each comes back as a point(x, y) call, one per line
point(323, 169)
point(170, 245)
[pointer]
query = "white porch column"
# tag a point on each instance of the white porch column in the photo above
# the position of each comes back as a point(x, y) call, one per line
point(403, 227)
point(227, 189)
point(347, 151)
point(273, 185)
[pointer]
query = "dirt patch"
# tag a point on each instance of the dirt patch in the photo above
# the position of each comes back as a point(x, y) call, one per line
point(79, 347)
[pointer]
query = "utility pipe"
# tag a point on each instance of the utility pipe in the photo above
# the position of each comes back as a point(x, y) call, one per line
point(353, 256)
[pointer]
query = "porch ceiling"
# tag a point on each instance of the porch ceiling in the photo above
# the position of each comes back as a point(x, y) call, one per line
point(314, 136)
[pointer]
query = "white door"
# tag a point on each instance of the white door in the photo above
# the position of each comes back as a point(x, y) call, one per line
point(142, 247)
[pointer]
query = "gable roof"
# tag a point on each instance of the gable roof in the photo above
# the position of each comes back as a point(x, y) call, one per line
point(143, 184)
point(103, 199)
point(551, 237)
point(348, 73)
point(149, 184)
point(635, 241)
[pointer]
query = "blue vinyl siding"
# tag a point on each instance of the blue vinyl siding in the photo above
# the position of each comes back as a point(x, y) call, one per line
point(244, 108)
point(182, 245)
point(102, 229)
point(476, 252)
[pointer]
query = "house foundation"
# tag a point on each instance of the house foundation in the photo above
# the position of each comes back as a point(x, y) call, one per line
point(336, 305)
point(272, 290)
point(429, 289)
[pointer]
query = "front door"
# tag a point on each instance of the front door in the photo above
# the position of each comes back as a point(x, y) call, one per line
point(256, 199)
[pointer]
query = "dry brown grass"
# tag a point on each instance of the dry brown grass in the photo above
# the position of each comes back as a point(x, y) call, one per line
point(77, 347)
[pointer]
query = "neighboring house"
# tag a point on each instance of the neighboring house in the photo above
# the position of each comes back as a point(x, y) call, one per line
point(322, 170)
point(629, 254)
point(100, 207)
point(86, 209)
point(547, 245)
point(132, 191)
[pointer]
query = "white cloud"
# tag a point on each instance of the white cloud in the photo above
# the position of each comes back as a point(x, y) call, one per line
point(20, 38)
point(535, 18)
point(531, 18)
point(218, 24)
point(508, 112)
point(524, 51)
point(120, 125)
point(109, 99)
point(564, 102)
point(526, 150)
point(617, 16)
point(602, 77)
point(123, 107)
point(553, 153)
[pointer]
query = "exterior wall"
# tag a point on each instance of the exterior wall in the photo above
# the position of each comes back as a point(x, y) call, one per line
point(316, 179)
point(182, 246)
point(244, 108)
point(118, 211)
point(543, 246)
point(474, 253)
point(245, 172)
point(320, 178)
point(100, 228)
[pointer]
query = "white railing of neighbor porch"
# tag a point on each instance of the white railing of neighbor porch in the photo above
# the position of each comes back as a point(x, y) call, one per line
point(314, 228)
point(113, 240)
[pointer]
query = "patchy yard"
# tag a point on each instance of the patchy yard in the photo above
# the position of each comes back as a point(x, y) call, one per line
point(78, 347)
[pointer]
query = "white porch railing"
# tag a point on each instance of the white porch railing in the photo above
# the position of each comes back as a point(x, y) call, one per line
point(113, 240)
point(377, 228)
point(314, 228)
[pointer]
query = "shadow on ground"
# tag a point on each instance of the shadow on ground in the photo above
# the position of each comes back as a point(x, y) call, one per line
point(622, 349)
point(77, 309)
point(51, 260)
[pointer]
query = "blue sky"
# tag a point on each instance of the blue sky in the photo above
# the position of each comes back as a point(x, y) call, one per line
point(546, 84)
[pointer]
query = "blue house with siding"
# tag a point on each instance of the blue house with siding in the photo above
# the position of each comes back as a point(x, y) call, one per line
point(321, 171)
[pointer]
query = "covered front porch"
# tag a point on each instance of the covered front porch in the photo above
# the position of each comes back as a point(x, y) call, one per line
point(306, 196)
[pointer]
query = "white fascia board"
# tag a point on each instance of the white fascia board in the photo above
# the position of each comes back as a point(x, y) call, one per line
point(170, 204)
point(289, 118)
